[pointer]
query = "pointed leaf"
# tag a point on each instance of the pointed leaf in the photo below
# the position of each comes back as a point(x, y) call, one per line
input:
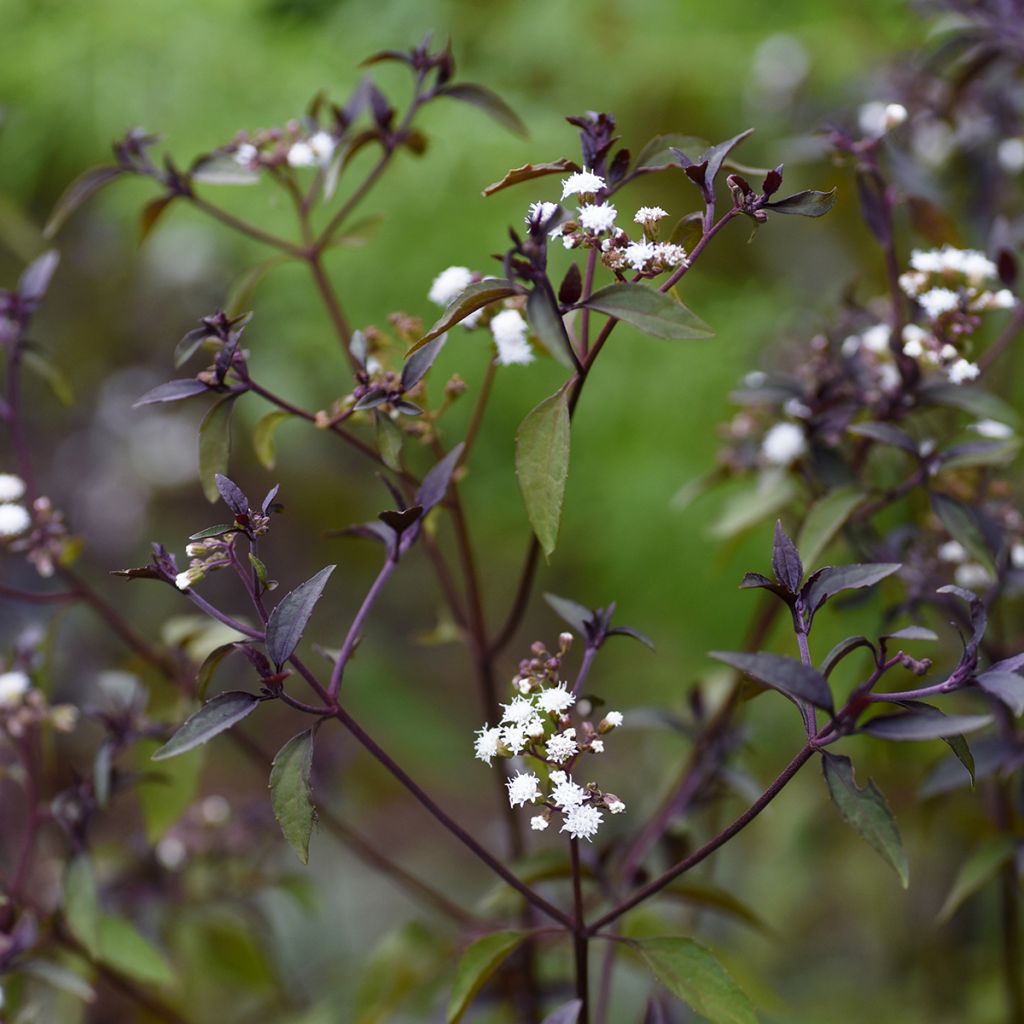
point(214, 717)
point(288, 620)
point(649, 311)
point(542, 465)
point(435, 484)
point(574, 614)
point(389, 442)
point(658, 151)
point(61, 978)
point(83, 188)
point(220, 169)
point(1005, 686)
point(886, 433)
point(711, 897)
point(918, 726)
point(476, 967)
point(417, 365)
point(209, 666)
point(978, 869)
point(489, 102)
point(971, 399)
point(81, 903)
point(842, 649)
point(231, 494)
point(263, 437)
point(693, 975)
point(786, 564)
point(568, 1013)
point(215, 445)
point(791, 677)
point(166, 793)
point(825, 518)
point(753, 503)
point(151, 214)
point(125, 949)
point(51, 374)
point(517, 175)
point(866, 811)
point(964, 526)
point(912, 633)
point(828, 582)
point(634, 633)
point(546, 323)
point(291, 792)
point(475, 297)
point(35, 279)
point(172, 391)
point(810, 203)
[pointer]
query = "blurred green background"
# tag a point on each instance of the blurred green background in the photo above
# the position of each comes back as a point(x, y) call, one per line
point(848, 944)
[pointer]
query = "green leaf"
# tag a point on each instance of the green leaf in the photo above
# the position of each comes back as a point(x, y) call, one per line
point(866, 811)
point(752, 504)
point(693, 975)
point(291, 792)
point(489, 102)
point(475, 297)
point(649, 311)
point(126, 950)
point(825, 518)
point(517, 175)
point(289, 619)
point(50, 374)
point(389, 442)
point(787, 675)
point(971, 399)
point(710, 897)
point(810, 203)
point(475, 968)
point(166, 793)
point(224, 711)
point(58, 977)
point(81, 903)
point(542, 465)
point(221, 169)
point(263, 437)
point(546, 324)
point(982, 865)
point(962, 525)
point(215, 445)
point(209, 666)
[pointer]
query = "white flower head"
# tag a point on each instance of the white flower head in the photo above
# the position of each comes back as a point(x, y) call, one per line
point(613, 719)
point(14, 520)
point(1017, 555)
point(448, 284)
point(538, 823)
point(518, 712)
point(876, 339)
point(189, 578)
point(565, 793)
point(1010, 154)
point(509, 330)
point(582, 822)
point(485, 746)
point(671, 255)
point(514, 737)
point(649, 215)
point(523, 788)
point(615, 805)
point(597, 746)
point(12, 487)
point(597, 218)
point(993, 429)
point(538, 213)
point(952, 551)
point(322, 144)
point(639, 254)
point(562, 746)
point(13, 686)
point(972, 576)
point(962, 370)
point(301, 154)
point(582, 183)
point(246, 154)
point(556, 700)
point(783, 444)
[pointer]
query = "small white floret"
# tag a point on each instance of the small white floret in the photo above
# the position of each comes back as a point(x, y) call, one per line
point(565, 793)
point(14, 520)
point(582, 183)
point(937, 301)
point(596, 219)
point(301, 154)
point(562, 746)
point(510, 330)
point(555, 700)
point(448, 284)
point(523, 789)
point(993, 429)
point(538, 213)
point(783, 444)
point(963, 370)
point(538, 823)
point(13, 686)
point(616, 806)
point(12, 487)
point(952, 551)
point(322, 144)
point(613, 719)
point(582, 822)
point(1010, 154)
point(649, 215)
point(485, 746)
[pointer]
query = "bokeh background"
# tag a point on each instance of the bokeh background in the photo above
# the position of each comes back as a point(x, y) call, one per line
point(846, 944)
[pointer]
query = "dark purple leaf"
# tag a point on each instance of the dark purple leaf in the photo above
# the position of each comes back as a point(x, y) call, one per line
point(215, 531)
point(786, 564)
point(965, 525)
point(173, 391)
point(530, 171)
point(401, 521)
point(571, 288)
point(912, 633)
point(828, 582)
point(288, 620)
point(232, 495)
point(884, 433)
point(79, 191)
point(1005, 686)
point(224, 711)
point(475, 297)
point(35, 279)
point(417, 365)
point(752, 580)
point(151, 214)
point(435, 483)
point(373, 398)
point(546, 323)
point(649, 311)
point(916, 725)
point(489, 102)
point(791, 677)
point(634, 633)
point(581, 619)
point(805, 204)
point(842, 649)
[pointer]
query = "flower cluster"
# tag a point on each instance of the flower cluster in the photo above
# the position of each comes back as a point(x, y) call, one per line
point(297, 145)
point(538, 723)
point(39, 533)
point(23, 707)
point(14, 517)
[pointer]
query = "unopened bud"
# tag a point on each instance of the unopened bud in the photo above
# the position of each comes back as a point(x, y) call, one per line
point(564, 641)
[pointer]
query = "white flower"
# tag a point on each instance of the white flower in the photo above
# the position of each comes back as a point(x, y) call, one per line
point(514, 737)
point(888, 377)
point(931, 261)
point(11, 487)
point(877, 118)
point(597, 218)
point(555, 700)
point(13, 686)
point(639, 254)
point(14, 520)
point(895, 115)
point(582, 822)
point(671, 255)
point(963, 370)
point(1010, 154)
point(519, 712)
point(948, 351)
point(322, 144)
point(534, 728)
point(1002, 299)
point(562, 746)
point(509, 330)
point(597, 746)
point(1017, 555)
point(972, 576)
point(615, 805)
point(301, 155)
point(189, 578)
point(976, 266)
point(952, 551)
point(938, 301)
point(523, 789)
point(649, 215)
point(246, 154)
point(565, 793)
point(485, 746)
point(876, 339)
point(783, 444)
point(850, 346)
point(913, 281)
point(540, 212)
point(613, 719)
point(914, 338)
point(448, 284)
point(582, 183)
point(539, 823)
point(171, 852)
point(993, 429)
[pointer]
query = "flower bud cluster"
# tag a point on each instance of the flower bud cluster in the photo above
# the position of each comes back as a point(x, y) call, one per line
point(41, 533)
point(539, 724)
point(207, 555)
point(22, 707)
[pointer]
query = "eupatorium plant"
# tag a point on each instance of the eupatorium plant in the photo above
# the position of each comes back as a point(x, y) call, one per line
point(862, 426)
